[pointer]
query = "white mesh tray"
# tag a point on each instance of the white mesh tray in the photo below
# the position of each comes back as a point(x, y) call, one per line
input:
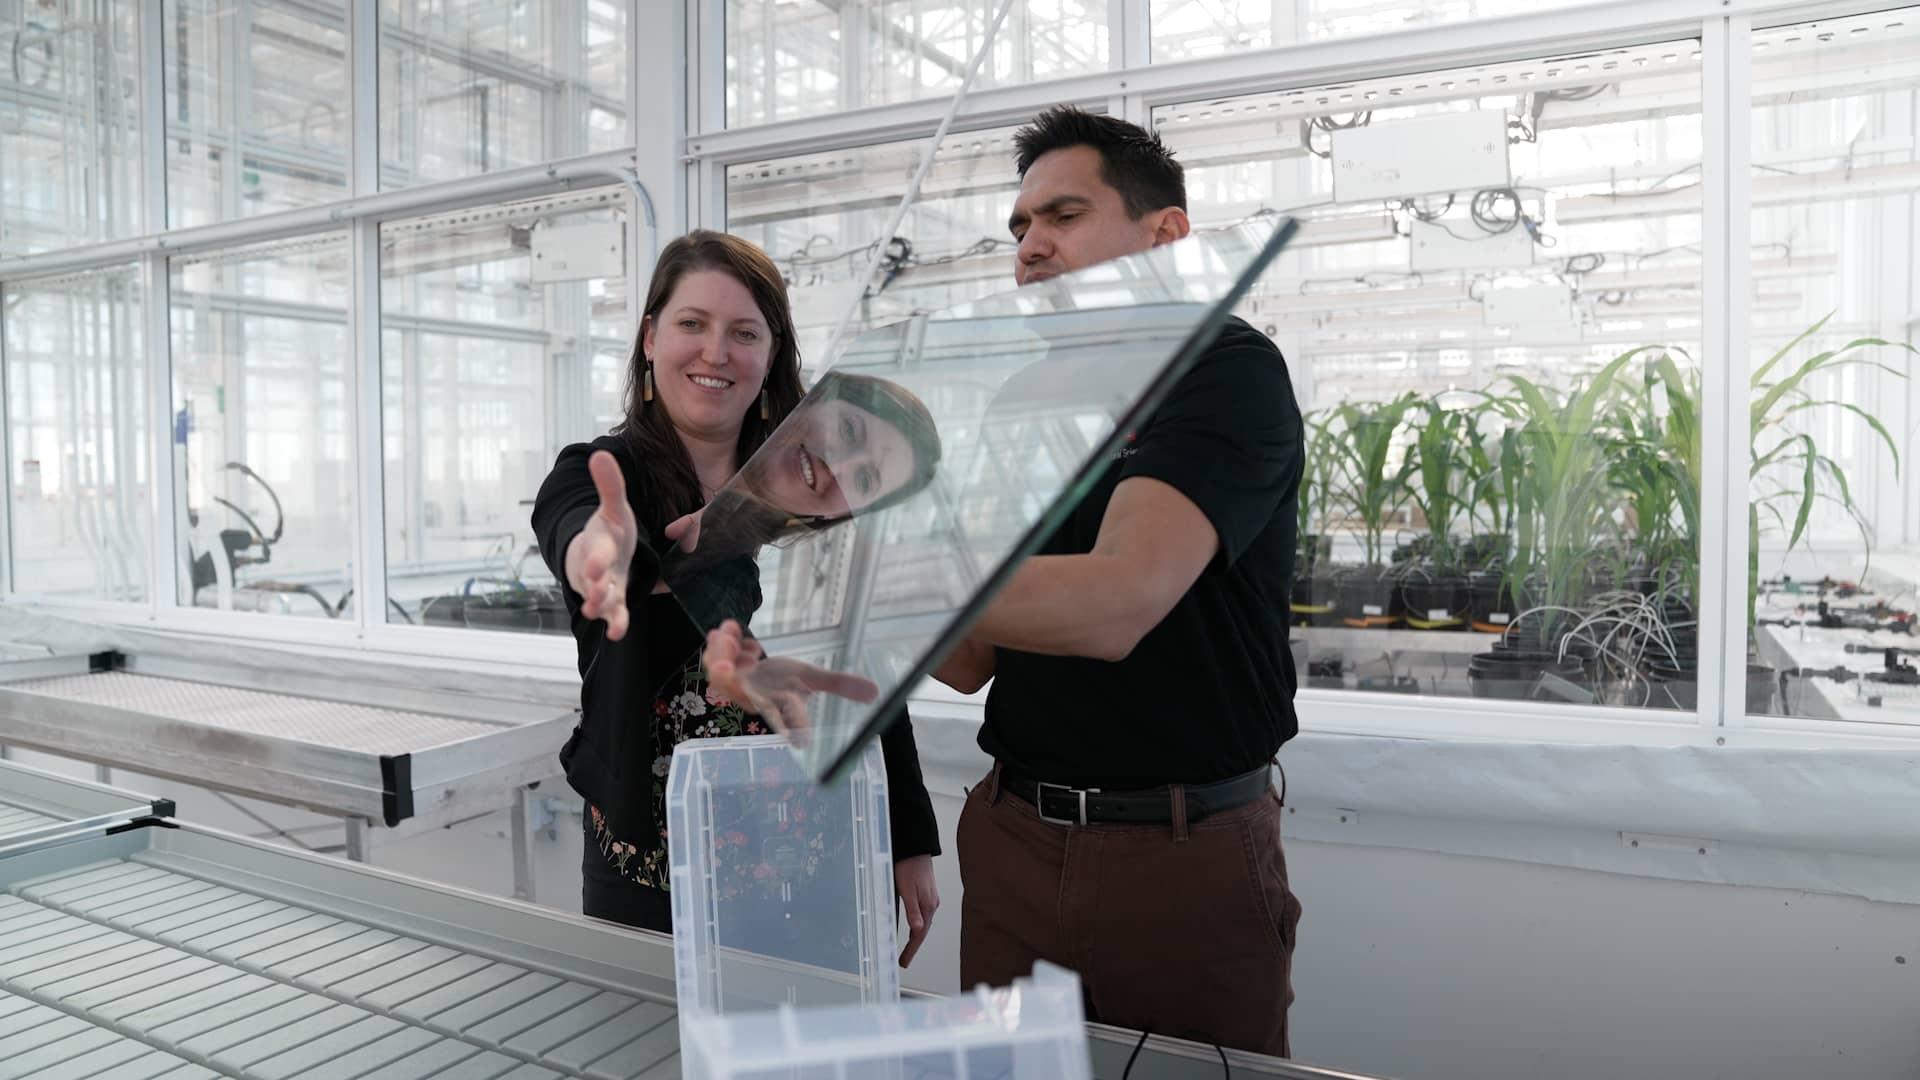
point(382, 753)
point(36, 803)
point(181, 953)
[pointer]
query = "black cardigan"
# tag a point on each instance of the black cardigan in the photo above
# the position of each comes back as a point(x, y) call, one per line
point(608, 759)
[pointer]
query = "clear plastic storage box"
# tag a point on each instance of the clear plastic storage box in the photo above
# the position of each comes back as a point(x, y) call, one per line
point(782, 890)
point(1032, 1030)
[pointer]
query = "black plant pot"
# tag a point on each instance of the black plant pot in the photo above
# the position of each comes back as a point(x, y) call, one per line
point(1481, 552)
point(1601, 577)
point(1676, 684)
point(1368, 598)
point(1515, 674)
point(1326, 674)
point(444, 611)
point(509, 612)
point(1312, 602)
point(1491, 605)
point(1436, 603)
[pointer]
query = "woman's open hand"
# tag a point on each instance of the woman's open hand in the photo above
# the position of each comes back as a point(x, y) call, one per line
point(598, 559)
point(777, 689)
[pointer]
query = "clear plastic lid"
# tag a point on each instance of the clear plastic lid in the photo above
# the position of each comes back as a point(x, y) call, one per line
point(1032, 1030)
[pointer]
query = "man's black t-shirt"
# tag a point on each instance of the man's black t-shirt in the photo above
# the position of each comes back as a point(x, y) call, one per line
point(1208, 693)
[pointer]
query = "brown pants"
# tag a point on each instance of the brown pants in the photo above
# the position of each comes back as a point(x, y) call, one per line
point(1189, 936)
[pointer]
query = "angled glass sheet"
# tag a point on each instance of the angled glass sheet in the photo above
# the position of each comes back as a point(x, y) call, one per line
point(939, 452)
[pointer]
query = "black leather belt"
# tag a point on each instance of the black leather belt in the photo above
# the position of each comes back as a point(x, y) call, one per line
point(1064, 805)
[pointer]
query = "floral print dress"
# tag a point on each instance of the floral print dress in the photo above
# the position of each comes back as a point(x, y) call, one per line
point(685, 708)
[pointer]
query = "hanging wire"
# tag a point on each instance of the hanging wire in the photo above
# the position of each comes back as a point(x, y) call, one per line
point(1329, 125)
point(865, 279)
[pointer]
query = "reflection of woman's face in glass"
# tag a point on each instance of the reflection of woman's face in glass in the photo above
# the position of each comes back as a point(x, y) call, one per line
point(831, 459)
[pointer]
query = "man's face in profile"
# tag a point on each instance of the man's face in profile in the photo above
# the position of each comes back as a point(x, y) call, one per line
point(1067, 217)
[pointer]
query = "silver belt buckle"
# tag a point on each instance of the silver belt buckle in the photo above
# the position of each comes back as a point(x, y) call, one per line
point(1039, 802)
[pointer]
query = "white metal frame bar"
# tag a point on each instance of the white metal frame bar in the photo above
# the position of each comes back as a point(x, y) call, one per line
point(707, 109)
point(590, 170)
point(1462, 44)
point(363, 322)
point(6, 463)
point(166, 549)
point(1731, 208)
point(1716, 376)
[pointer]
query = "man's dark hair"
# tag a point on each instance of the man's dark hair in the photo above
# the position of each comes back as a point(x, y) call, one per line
point(1133, 160)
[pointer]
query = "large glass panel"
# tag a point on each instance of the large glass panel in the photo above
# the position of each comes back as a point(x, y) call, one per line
point(808, 57)
point(263, 440)
point(256, 107)
point(469, 87)
point(935, 455)
point(820, 218)
point(78, 461)
point(1834, 519)
point(1189, 29)
point(1492, 317)
point(69, 124)
point(491, 361)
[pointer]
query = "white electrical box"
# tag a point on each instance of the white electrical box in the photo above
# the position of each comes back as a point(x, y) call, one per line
point(1523, 305)
point(578, 252)
point(1449, 152)
point(1461, 245)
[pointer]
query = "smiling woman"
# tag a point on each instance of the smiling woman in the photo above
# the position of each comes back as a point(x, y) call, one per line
point(714, 371)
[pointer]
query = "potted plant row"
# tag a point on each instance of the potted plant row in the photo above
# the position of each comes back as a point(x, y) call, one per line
point(1565, 519)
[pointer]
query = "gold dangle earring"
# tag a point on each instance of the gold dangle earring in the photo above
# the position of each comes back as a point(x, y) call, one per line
point(766, 409)
point(646, 384)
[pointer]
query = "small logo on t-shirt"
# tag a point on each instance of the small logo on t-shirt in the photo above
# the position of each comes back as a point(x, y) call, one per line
point(1128, 450)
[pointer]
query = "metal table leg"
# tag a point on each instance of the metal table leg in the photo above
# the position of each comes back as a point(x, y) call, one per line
point(360, 840)
point(522, 832)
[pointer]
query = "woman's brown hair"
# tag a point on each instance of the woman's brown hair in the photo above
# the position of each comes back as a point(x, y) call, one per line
point(673, 488)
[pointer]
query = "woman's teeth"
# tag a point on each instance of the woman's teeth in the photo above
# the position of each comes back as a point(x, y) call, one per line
point(709, 382)
point(806, 468)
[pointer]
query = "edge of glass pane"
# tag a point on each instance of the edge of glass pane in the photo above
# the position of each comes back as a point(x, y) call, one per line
point(1070, 495)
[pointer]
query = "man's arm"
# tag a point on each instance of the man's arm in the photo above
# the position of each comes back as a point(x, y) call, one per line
point(969, 667)
point(1221, 455)
point(1153, 545)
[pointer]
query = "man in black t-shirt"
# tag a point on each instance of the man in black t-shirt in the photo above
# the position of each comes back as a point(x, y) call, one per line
point(1141, 682)
point(1142, 685)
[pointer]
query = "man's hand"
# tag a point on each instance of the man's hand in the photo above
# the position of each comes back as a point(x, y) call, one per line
point(777, 689)
point(599, 558)
point(913, 880)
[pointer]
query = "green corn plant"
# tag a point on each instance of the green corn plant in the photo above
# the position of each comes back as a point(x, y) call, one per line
point(1655, 429)
point(1658, 469)
point(1790, 474)
point(1442, 454)
point(1488, 498)
point(1564, 500)
point(1317, 474)
point(1360, 445)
